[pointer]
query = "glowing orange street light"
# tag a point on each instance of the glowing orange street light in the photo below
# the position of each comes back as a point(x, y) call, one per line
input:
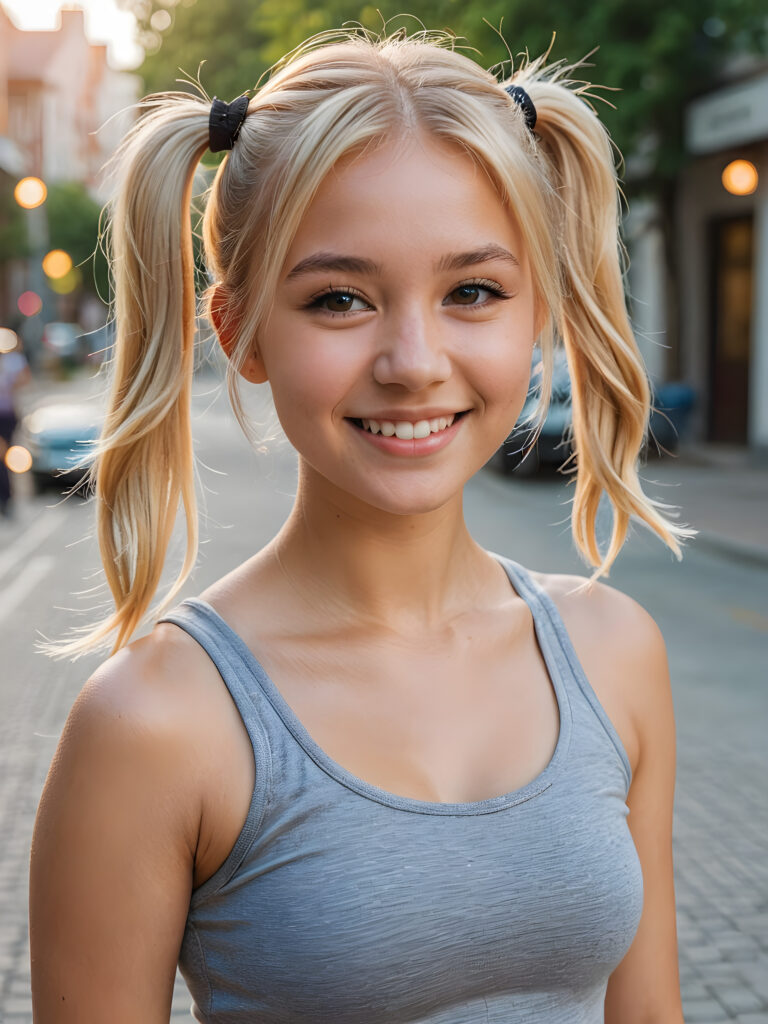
point(30, 193)
point(57, 263)
point(740, 178)
point(18, 459)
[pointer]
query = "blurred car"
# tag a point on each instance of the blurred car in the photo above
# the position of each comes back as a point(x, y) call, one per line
point(671, 408)
point(98, 344)
point(517, 454)
point(63, 345)
point(58, 436)
point(673, 403)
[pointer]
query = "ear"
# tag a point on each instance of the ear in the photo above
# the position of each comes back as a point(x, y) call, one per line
point(227, 327)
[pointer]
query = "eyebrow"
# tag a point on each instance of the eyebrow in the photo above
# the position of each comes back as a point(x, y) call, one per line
point(334, 261)
point(485, 254)
point(323, 261)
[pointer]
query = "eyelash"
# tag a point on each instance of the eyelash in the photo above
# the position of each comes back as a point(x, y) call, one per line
point(317, 298)
point(483, 283)
point(489, 286)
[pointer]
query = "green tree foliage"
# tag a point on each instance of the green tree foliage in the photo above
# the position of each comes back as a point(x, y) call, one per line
point(228, 35)
point(73, 225)
point(239, 40)
point(657, 55)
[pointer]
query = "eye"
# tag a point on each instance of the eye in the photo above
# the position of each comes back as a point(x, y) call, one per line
point(339, 301)
point(475, 293)
point(467, 294)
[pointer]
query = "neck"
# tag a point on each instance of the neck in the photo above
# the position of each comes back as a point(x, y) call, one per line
point(356, 563)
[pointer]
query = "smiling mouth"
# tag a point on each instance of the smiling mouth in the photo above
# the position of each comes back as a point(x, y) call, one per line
point(407, 430)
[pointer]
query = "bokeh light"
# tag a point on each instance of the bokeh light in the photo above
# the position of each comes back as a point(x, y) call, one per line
point(57, 263)
point(160, 21)
point(66, 284)
point(8, 339)
point(29, 303)
point(740, 178)
point(18, 459)
point(30, 193)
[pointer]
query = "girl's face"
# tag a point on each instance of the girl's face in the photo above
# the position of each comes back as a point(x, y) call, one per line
point(399, 346)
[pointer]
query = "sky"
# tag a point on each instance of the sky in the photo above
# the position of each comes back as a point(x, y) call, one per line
point(104, 23)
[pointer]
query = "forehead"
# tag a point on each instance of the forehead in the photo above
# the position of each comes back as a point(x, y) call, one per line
point(406, 198)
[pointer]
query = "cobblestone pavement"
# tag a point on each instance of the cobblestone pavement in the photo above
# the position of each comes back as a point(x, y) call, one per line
point(722, 882)
point(718, 653)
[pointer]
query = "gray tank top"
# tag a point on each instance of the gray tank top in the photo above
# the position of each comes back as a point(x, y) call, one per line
point(346, 904)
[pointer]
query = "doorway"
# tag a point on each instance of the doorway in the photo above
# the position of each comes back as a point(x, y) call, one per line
point(732, 283)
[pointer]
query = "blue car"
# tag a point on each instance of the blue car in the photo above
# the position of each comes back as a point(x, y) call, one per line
point(57, 437)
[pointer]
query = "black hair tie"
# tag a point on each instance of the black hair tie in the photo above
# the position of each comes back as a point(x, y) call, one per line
point(524, 101)
point(225, 122)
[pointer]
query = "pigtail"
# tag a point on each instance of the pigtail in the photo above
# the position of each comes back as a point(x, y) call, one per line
point(144, 465)
point(610, 389)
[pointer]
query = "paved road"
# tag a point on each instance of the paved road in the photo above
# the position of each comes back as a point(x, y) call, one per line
point(714, 614)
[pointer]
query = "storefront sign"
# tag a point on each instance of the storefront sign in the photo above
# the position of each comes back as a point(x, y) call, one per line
point(731, 116)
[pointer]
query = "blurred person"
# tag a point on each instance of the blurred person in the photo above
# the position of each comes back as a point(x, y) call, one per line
point(376, 774)
point(14, 374)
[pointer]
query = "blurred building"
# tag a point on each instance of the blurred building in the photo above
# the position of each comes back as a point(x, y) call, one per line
point(61, 104)
point(721, 229)
point(723, 235)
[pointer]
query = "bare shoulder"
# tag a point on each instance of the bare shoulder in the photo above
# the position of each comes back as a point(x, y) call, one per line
point(159, 710)
point(621, 649)
point(155, 734)
point(604, 615)
point(147, 708)
point(156, 688)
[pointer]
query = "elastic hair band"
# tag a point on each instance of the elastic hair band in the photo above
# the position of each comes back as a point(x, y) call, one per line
point(524, 101)
point(225, 122)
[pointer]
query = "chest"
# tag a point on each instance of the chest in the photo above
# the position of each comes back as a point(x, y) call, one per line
point(383, 915)
point(450, 719)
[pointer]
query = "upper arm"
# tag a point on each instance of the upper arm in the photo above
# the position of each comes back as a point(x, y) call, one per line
point(113, 853)
point(645, 986)
point(623, 654)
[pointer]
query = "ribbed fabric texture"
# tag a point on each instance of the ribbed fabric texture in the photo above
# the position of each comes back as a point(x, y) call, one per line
point(345, 904)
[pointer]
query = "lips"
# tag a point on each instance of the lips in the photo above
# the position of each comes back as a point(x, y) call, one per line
point(420, 436)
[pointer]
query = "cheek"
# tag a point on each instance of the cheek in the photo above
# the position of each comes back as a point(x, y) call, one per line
point(309, 380)
point(506, 370)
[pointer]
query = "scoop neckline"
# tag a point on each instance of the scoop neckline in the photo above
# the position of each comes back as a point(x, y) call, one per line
point(546, 639)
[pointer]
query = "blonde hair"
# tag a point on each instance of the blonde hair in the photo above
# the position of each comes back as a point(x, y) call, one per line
point(337, 94)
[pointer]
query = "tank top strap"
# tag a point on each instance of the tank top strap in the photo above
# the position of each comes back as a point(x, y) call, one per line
point(232, 660)
point(552, 634)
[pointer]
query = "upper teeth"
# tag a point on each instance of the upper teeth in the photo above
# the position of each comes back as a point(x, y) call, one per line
point(407, 431)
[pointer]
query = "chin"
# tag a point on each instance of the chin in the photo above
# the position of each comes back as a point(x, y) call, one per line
point(412, 505)
point(399, 496)
point(395, 494)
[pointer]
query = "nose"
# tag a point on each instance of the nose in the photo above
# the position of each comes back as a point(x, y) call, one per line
point(411, 352)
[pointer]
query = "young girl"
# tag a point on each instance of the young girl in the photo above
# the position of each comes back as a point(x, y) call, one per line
point(377, 774)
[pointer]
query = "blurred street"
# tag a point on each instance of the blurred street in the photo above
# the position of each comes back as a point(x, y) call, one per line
point(712, 607)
